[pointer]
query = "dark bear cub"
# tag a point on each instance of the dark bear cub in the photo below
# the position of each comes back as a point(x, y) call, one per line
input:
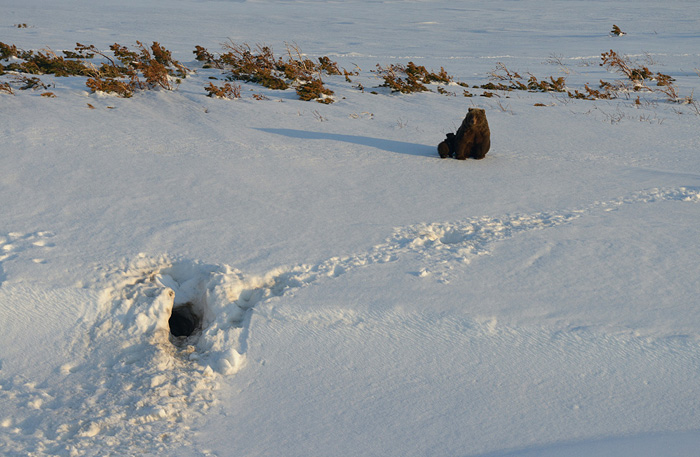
point(472, 140)
point(447, 147)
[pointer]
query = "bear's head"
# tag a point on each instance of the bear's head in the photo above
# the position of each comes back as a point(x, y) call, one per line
point(476, 116)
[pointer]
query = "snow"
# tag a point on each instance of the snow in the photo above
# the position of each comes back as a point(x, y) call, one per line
point(355, 294)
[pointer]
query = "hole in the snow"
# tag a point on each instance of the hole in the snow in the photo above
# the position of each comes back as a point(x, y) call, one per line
point(183, 321)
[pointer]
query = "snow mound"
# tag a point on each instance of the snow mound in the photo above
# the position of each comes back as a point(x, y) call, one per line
point(132, 384)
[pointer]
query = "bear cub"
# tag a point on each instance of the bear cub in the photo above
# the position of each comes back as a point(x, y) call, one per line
point(472, 140)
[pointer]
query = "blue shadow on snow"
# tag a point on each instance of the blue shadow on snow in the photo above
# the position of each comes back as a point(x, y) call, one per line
point(399, 147)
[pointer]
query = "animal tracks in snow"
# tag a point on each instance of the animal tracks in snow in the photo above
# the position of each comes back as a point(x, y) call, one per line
point(14, 243)
point(442, 245)
point(17, 245)
point(143, 294)
point(134, 386)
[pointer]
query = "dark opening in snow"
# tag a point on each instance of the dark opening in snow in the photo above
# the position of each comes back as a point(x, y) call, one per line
point(183, 321)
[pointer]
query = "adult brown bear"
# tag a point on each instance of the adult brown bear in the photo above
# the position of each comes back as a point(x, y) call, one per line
point(472, 140)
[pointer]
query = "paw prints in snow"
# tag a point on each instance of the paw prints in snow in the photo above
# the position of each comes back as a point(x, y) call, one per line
point(31, 244)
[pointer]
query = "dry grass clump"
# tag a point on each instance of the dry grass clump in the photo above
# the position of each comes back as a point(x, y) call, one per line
point(22, 82)
point(636, 78)
point(156, 65)
point(410, 78)
point(325, 64)
point(314, 90)
point(121, 73)
point(130, 70)
point(511, 80)
point(44, 62)
point(123, 70)
point(110, 85)
point(227, 91)
point(7, 51)
point(260, 66)
point(592, 94)
point(28, 82)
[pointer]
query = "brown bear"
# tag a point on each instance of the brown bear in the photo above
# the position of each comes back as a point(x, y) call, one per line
point(472, 140)
point(447, 147)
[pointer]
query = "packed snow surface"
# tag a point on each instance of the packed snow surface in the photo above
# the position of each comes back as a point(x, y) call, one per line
point(350, 293)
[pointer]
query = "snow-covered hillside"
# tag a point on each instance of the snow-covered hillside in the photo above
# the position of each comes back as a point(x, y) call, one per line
point(353, 293)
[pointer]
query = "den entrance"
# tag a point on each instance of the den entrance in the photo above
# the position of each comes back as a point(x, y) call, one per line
point(183, 321)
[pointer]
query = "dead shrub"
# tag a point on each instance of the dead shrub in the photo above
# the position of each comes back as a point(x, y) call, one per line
point(410, 78)
point(29, 82)
point(623, 66)
point(260, 66)
point(328, 66)
point(5, 87)
point(227, 91)
point(592, 94)
point(156, 64)
point(115, 86)
point(393, 79)
point(511, 80)
point(202, 55)
point(314, 90)
point(122, 75)
point(41, 62)
point(8, 51)
point(636, 77)
point(47, 62)
point(347, 73)
point(553, 85)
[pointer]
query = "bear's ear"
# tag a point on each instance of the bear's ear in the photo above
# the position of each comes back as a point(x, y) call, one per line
point(471, 109)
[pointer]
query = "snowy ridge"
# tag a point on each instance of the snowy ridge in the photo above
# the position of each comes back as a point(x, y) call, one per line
point(133, 386)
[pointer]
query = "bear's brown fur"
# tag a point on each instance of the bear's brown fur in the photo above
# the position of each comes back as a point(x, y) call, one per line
point(472, 140)
point(447, 147)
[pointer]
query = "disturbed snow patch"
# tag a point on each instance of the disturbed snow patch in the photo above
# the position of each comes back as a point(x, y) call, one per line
point(133, 387)
point(204, 302)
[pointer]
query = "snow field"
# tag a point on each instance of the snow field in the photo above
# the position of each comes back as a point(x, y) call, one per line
point(355, 294)
point(144, 376)
point(377, 365)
